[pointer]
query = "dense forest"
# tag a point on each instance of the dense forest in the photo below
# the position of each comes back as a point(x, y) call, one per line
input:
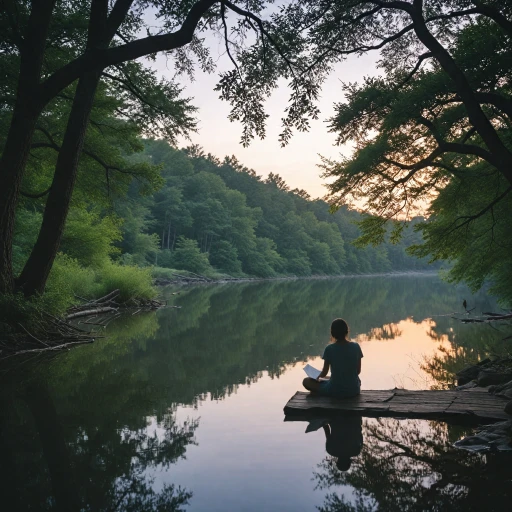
point(247, 224)
point(206, 216)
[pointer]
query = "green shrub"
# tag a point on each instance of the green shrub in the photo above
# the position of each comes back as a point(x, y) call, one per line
point(164, 258)
point(224, 256)
point(187, 256)
point(133, 282)
point(163, 273)
point(67, 280)
point(15, 309)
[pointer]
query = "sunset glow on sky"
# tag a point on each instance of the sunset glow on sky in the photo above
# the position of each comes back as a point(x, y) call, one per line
point(296, 163)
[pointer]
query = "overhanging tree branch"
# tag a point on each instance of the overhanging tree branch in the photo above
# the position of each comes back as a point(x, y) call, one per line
point(35, 196)
point(263, 30)
point(495, 15)
point(99, 59)
point(116, 17)
point(470, 218)
point(419, 62)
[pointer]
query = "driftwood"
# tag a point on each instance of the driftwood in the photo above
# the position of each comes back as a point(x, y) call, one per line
point(108, 304)
point(110, 296)
point(486, 316)
point(90, 312)
point(49, 334)
point(52, 334)
point(62, 346)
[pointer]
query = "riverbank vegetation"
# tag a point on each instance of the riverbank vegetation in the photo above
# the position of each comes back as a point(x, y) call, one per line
point(95, 195)
point(199, 214)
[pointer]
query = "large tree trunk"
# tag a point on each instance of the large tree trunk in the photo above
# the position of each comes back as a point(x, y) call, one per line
point(35, 274)
point(56, 454)
point(19, 138)
point(9, 489)
point(12, 167)
point(32, 279)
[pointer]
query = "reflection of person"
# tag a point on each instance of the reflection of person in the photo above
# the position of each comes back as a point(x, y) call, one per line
point(343, 357)
point(344, 439)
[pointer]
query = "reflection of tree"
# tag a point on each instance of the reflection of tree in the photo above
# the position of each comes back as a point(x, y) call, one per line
point(460, 345)
point(384, 333)
point(241, 330)
point(135, 494)
point(88, 464)
point(411, 466)
point(224, 335)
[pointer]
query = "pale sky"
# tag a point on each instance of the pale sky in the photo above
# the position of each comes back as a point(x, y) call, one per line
point(296, 163)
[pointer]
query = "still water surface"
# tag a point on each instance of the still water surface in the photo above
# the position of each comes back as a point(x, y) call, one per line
point(182, 409)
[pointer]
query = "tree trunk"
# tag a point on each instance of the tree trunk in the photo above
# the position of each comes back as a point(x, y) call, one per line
point(13, 164)
point(54, 447)
point(9, 473)
point(35, 274)
point(169, 235)
point(19, 138)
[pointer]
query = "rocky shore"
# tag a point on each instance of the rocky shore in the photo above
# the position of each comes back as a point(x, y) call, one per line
point(496, 376)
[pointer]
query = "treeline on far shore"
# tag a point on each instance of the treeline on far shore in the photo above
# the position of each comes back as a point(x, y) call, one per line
point(214, 215)
point(188, 211)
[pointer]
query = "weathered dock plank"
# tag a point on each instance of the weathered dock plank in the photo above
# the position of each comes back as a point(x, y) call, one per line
point(474, 405)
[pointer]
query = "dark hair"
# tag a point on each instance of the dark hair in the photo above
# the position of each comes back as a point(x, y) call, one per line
point(343, 463)
point(339, 329)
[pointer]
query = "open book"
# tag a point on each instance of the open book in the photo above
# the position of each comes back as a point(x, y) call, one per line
point(311, 371)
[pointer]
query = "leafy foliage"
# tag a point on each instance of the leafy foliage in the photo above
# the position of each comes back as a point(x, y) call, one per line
point(247, 225)
point(432, 134)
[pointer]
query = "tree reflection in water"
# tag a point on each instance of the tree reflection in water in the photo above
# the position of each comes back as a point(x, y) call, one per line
point(93, 466)
point(410, 465)
point(80, 439)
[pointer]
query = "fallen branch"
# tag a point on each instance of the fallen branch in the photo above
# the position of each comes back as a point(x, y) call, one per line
point(32, 336)
point(501, 317)
point(88, 312)
point(56, 347)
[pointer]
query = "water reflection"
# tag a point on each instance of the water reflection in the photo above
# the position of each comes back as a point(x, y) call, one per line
point(77, 456)
point(343, 437)
point(411, 466)
point(104, 426)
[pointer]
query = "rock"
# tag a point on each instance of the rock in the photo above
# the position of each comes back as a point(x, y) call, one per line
point(486, 377)
point(504, 390)
point(496, 437)
point(470, 373)
point(508, 408)
point(467, 375)
point(469, 385)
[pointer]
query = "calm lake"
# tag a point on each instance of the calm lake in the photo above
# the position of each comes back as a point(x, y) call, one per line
point(182, 409)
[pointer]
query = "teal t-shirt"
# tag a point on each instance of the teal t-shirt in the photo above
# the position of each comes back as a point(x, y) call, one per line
point(344, 360)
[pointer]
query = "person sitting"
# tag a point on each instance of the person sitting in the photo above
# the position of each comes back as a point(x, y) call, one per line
point(343, 357)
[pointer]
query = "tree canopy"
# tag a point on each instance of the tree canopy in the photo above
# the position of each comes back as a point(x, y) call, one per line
point(432, 129)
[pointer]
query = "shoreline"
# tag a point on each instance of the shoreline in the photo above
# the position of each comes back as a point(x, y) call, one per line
point(203, 280)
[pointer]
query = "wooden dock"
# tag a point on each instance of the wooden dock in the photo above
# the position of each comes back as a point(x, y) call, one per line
point(475, 405)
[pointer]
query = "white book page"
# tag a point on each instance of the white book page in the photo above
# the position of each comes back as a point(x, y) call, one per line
point(311, 371)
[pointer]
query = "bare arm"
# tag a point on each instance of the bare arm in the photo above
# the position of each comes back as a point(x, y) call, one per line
point(325, 370)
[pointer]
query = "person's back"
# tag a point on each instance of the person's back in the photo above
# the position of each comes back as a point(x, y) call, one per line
point(344, 358)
